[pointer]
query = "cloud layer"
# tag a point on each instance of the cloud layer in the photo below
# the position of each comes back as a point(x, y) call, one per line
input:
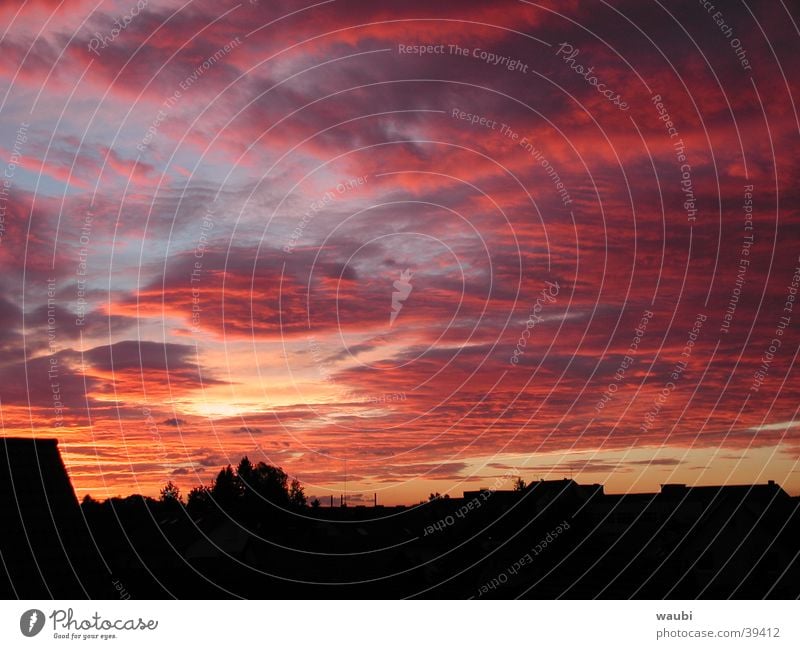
point(422, 239)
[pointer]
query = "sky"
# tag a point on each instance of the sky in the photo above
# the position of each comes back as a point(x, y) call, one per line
point(401, 247)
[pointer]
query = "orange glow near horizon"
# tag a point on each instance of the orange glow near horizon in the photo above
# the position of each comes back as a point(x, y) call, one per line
point(441, 270)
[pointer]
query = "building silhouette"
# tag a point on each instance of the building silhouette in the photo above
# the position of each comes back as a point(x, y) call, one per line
point(550, 539)
point(45, 551)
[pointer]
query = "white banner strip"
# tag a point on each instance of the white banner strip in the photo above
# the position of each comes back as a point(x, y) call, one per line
point(356, 624)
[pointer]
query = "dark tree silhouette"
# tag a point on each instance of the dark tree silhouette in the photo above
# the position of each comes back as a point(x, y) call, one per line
point(297, 496)
point(244, 472)
point(249, 492)
point(89, 505)
point(226, 488)
point(270, 484)
point(519, 484)
point(199, 501)
point(170, 493)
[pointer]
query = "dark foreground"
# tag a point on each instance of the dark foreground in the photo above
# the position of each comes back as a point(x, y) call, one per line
point(552, 539)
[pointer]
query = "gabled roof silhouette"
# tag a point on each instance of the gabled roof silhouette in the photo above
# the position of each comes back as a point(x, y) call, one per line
point(43, 541)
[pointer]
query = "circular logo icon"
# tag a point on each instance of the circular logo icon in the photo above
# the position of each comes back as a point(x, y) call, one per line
point(31, 622)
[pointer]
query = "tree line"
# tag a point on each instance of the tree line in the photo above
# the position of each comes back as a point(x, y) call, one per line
point(246, 488)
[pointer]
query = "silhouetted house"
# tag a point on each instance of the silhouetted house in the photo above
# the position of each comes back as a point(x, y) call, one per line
point(738, 539)
point(45, 550)
point(564, 495)
point(536, 498)
point(715, 541)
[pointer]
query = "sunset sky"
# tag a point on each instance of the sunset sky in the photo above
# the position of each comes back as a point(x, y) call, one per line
point(207, 207)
